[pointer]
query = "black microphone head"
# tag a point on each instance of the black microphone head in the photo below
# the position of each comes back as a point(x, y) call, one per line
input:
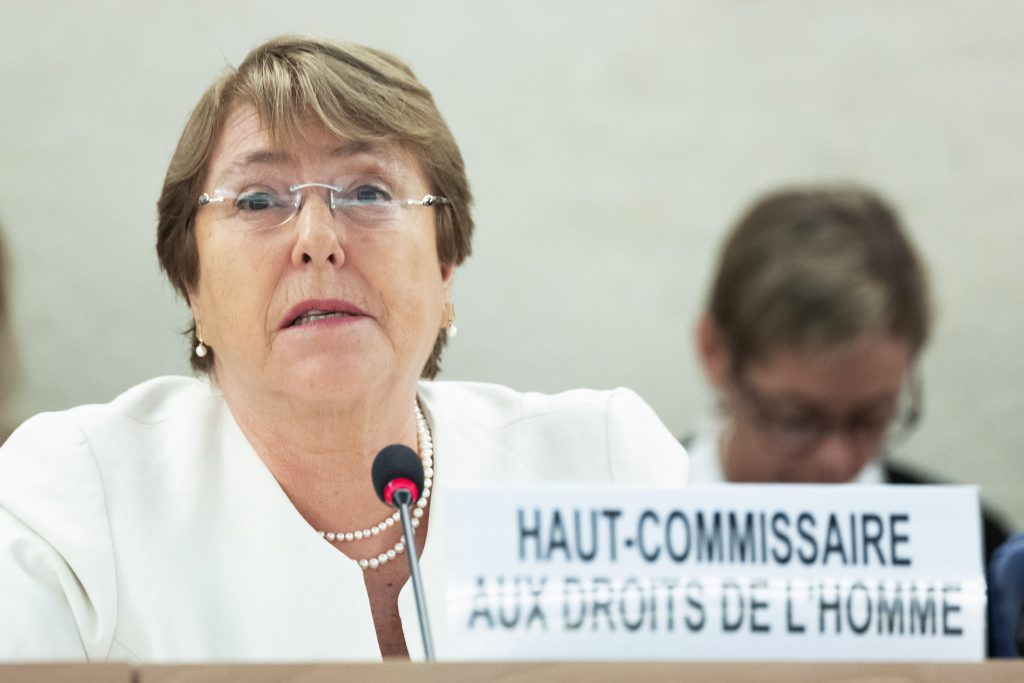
point(396, 462)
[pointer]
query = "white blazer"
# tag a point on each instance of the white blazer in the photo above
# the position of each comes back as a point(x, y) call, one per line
point(148, 529)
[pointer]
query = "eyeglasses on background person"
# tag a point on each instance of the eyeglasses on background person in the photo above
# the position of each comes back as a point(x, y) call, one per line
point(801, 427)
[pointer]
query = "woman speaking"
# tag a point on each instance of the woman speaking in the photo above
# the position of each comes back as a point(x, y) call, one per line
point(313, 215)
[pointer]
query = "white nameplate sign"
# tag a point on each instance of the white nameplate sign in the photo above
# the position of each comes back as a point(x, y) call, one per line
point(738, 572)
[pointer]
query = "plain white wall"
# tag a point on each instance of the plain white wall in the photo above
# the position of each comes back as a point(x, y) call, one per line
point(609, 147)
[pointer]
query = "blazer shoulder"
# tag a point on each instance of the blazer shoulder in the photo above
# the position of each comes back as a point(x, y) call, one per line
point(497, 405)
point(580, 433)
point(150, 402)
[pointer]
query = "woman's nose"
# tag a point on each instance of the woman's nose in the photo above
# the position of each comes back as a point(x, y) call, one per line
point(319, 238)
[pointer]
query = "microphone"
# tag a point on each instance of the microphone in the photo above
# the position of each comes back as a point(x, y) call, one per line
point(397, 475)
point(395, 468)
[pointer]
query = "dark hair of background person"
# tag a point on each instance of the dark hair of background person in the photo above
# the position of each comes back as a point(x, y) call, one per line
point(355, 92)
point(811, 268)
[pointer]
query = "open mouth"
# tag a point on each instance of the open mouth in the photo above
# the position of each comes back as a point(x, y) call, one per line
point(314, 315)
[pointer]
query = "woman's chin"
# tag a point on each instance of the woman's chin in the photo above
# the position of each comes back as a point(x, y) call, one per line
point(333, 378)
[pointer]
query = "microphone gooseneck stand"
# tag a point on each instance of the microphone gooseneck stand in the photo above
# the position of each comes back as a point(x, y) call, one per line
point(398, 477)
point(402, 498)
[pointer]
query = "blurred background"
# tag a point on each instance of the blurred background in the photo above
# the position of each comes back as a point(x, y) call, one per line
point(610, 146)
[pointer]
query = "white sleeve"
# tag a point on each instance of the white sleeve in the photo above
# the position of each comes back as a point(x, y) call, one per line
point(640, 447)
point(57, 580)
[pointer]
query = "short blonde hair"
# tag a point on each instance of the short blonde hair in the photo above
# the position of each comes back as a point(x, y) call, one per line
point(355, 92)
point(813, 267)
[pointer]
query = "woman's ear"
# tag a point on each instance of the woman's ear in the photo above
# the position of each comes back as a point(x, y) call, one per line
point(447, 275)
point(714, 354)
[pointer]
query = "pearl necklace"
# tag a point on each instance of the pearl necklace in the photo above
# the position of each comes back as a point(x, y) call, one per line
point(426, 448)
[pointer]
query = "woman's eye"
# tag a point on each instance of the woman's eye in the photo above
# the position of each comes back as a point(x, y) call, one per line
point(369, 194)
point(255, 201)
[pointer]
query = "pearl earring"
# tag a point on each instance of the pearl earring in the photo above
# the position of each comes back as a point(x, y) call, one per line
point(450, 329)
point(201, 348)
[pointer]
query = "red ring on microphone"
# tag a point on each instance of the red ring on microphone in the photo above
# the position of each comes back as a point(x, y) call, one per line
point(397, 484)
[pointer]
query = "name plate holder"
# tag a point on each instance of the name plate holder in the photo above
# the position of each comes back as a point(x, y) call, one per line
point(736, 572)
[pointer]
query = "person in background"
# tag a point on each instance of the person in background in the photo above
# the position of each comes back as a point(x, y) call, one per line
point(8, 362)
point(817, 315)
point(313, 216)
